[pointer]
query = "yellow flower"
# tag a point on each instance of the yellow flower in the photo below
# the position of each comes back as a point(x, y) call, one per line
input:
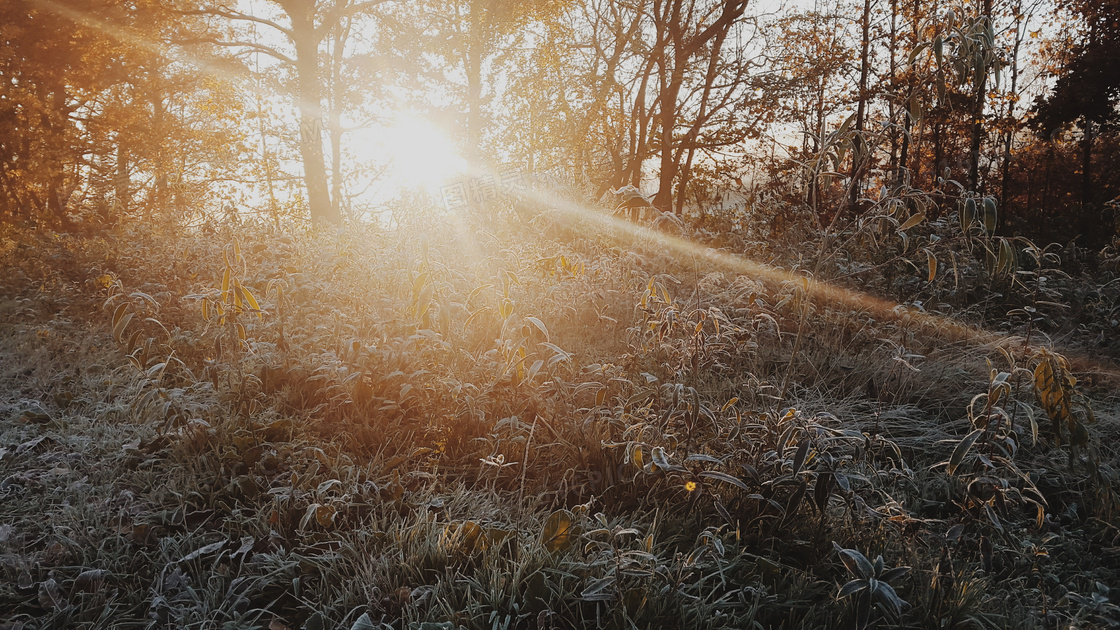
point(690, 486)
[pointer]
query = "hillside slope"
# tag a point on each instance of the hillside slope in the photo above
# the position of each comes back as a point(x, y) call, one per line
point(568, 426)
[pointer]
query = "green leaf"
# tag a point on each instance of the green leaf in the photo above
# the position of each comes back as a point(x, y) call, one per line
point(857, 563)
point(800, 455)
point(962, 449)
point(990, 215)
point(891, 574)
point(726, 478)
point(852, 587)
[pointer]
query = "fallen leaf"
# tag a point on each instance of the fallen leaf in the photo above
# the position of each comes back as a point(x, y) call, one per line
point(90, 581)
point(202, 551)
point(25, 581)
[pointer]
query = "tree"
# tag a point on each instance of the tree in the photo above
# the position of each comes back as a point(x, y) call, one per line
point(95, 112)
point(1087, 93)
point(682, 31)
point(307, 25)
point(51, 67)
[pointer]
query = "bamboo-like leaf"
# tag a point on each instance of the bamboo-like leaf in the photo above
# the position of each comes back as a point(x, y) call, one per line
point(968, 214)
point(238, 295)
point(990, 215)
point(119, 327)
point(225, 281)
point(119, 313)
point(799, 456)
point(537, 365)
point(915, 219)
point(636, 456)
point(917, 51)
point(1005, 262)
point(892, 574)
point(726, 478)
point(857, 563)
point(252, 302)
point(931, 262)
point(853, 586)
point(962, 449)
point(540, 326)
point(660, 459)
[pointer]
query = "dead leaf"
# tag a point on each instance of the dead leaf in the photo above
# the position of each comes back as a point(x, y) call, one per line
point(202, 551)
point(90, 581)
point(49, 594)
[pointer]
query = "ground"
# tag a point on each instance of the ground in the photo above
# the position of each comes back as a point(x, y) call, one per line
point(565, 426)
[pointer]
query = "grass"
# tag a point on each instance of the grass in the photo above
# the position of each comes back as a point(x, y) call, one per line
point(537, 423)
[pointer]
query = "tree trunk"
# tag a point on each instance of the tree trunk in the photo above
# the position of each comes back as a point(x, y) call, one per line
point(335, 122)
point(859, 147)
point(159, 192)
point(664, 199)
point(311, 116)
point(1009, 130)
point(978, 116)
point(1087, 221)
point(473, 68)
point(121, 192)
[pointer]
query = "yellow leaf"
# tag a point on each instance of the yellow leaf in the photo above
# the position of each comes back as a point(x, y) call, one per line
point(252, 301)
point(912, 221)
point(559, 531)
point(225, 280)
point(325, 515)
point(464, 538)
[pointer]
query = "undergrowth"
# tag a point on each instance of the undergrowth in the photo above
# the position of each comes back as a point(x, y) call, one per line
point(548, 424)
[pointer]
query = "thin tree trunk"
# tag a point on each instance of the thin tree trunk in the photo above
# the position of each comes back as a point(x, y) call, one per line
point(335, 122)
point(861, 108)
point(311, 116)
point(1009, 131)
point(159, 127)
point(978, 116)
point(1087, 222)
point(120, 180)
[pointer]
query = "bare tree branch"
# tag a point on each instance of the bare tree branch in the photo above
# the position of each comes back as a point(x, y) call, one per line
point(237, 15)
point(250, 46)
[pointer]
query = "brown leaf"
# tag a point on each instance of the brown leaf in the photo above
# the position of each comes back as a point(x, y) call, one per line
point(90, 581)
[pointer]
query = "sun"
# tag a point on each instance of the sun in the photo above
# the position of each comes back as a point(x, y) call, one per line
point(420, 154)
